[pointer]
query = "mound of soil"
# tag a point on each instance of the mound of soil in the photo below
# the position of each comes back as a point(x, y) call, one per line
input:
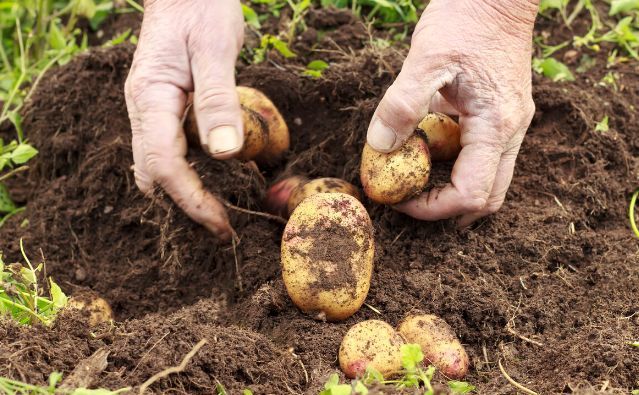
point(548, 286)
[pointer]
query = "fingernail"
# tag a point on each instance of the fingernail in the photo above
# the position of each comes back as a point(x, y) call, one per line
point(380, 136)
point(223, 139)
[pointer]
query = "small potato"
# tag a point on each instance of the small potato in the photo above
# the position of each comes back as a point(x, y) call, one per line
point(278, 195)
point(278, 135)
point(374, 344)
point(255, 132)
point(320, 185)
point(327, 255)
point(397, 176)
point(438, 342)
point(96, 307)
point(443, 136)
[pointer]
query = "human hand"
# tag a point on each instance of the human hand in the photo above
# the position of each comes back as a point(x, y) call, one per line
point(472, 59)
point(185, 46)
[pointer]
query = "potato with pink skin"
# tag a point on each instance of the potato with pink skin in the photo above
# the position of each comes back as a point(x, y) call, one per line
point(443, 136)
point(438, 342)
point(320, 185)
point(278, 195)
point(327, 255)
point(391, 178)
point(373, 344)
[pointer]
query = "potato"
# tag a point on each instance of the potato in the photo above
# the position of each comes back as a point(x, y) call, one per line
point(278, 135)
point(278, 195)
point(374, 344)
point(320, 185)
point(438, 342)
point(96, 307)
point(443, 136)
point(255, 135)
point(397, 176)
point(327, 255)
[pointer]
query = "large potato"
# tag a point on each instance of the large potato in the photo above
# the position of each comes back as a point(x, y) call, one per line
point(397, 176)
point(320, 185)
point(443, 135)
point(438, 342)
point(374, 344)
point(278, 135)
point(327, 255)
point(93, 305)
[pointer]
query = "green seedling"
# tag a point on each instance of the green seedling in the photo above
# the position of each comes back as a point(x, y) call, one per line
point(21, 296)
point(553, 69)
point(602, 126)
point(13, 159)
point(271, 42)
point(15, 387)
point(623, 6)
point(412, 375)
point(250, 17)
point(382, 11)
point(315, 68)
point(631, 212)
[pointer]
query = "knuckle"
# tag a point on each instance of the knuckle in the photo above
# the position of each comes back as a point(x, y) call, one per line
point(399, 104)
point(216, 99)
point(474, 201)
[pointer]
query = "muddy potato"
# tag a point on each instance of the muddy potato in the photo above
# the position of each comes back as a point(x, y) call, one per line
point(278, 194)
point(320, 185)
point(278, 134)
point(397, 176)
point(96, 307)
point(327, 255)
point(443, 136)
point(371, 343)
point(438, 342)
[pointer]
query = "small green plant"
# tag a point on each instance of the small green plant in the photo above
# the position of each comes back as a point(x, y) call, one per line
point(268, 42)
point(631, 213)
point(383, 11)
point(21, 296)
point(315, 68)
point(15, 387)
point(413, 375)
point(553, 69)
point(602, 126)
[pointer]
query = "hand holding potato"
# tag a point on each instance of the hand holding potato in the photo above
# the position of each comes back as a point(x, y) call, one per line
point(472, 59)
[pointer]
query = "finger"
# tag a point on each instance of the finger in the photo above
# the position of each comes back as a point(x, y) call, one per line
point(472, 178)
point(215, 100)
point(142, 177)
point(439, 104)
point(406, 102)
point(500, 187)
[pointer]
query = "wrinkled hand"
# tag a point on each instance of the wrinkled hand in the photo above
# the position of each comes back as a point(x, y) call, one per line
point(184, 46)
point(473, 59)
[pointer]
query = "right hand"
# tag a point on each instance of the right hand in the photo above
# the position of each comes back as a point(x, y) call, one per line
point(185, 46)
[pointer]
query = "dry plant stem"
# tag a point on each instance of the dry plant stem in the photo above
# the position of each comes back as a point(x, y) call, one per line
point(14, 172)
point(513, 382)
point(524, 338)
point(258, 213)
point(174, 369)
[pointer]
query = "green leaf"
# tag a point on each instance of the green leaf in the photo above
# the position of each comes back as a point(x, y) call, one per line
point(16, 120)
point(332, 381)
point(319, 65)
point(282, 48)
point(602, 126)
point(545, 5)
point(58, 297)
point(247, 392)
point(85, 8)
point(635, 392)
point(119, 39)
point(635, 344)
point(56, 39)
point(6, 204)
point(619, 6)
point(411, 356)
point(360, 388)
point(220, 390)
point(28, 276)
point(23, 153)
point(341, 389)
point(460, 387)
point(250, 16)
point(553, 69)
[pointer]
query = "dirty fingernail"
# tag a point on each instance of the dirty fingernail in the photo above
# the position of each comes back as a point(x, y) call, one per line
point(223, 139)
point(380, 136)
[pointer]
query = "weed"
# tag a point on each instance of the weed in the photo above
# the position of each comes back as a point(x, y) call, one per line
point(15, 387)
point(553, 69)
point(22, 298)
point(411, 376)
point(602, 126)
point(315, 68)
point(382, 11)
point(631, 212)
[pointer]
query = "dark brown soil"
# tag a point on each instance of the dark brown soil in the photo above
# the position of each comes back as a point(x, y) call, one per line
point(549, 286)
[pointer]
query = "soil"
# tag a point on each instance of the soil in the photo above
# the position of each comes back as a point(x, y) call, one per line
point(548, 286)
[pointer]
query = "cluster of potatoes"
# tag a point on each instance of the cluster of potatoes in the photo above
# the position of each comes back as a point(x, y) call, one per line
point(312, 204)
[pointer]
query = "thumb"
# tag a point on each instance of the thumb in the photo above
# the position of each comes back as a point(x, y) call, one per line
point(407, 101)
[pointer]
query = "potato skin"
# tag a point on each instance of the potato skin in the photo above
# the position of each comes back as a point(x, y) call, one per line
point(327, 255)
point(443, 136)
point(371, 343)
point(278, 195)
point(255, 135)
point(397, 176)
point(438, 342)
point(278, 134)
point(98, 309)
point(320, 185)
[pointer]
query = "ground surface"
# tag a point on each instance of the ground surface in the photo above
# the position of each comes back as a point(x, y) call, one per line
point(557, 265)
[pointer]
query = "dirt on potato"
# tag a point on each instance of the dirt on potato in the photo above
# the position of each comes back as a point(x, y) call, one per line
point(549, 286)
